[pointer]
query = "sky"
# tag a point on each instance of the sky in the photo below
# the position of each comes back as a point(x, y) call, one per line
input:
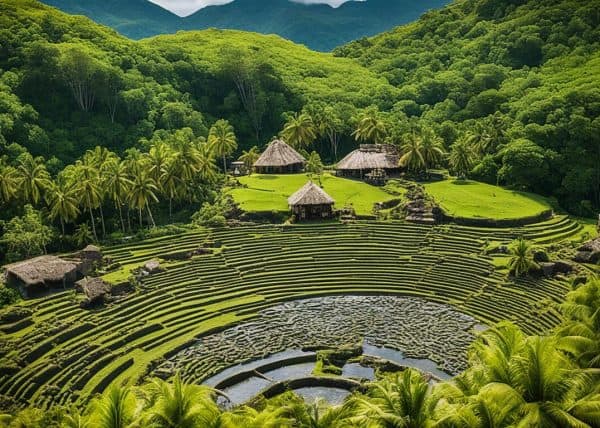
point(187, 7)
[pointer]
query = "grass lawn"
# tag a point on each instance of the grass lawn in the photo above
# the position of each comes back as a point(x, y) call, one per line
point(270, 192)
point(471, 199)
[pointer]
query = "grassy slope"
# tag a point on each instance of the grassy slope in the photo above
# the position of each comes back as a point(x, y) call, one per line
point(270, 192)
point(479, 200)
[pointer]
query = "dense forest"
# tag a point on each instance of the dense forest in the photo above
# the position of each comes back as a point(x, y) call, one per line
point(522, 74)
point(508, 89)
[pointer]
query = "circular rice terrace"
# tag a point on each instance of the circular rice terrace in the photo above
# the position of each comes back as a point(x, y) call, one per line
point(62, 353)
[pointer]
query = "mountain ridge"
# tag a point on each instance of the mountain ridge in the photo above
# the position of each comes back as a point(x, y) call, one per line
point(318, 26)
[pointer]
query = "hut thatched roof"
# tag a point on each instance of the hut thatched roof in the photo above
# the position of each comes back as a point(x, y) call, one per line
point(93, 288)
point(310, 194)
point(370, 157)
point(41, 270)
point(279, 154)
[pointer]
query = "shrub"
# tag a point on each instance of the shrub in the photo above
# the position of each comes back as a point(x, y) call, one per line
point(8, 296)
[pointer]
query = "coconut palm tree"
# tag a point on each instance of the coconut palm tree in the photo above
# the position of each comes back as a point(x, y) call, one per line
point(170, 184)
point(157, 159)
point(462, 158)
point(250, 157)
point(89, 189)
point(403, 400)
point(33, 178)
point(248, 417)
point(115, 409)
point(521, 262)
point(581, 335)
point(179, 405)
point(117, 184)
point(299, 131)
point(142, 192)
point(222, 140)
point(83, 235)
point(206, 167)
point(555, 391)
point(412, 153)
point(320, 414)
point(370, 128)
point(73, 419)
point(432, 149)
point(63, 201)
point(479, 139)
point(9, 183)
point(186, 160)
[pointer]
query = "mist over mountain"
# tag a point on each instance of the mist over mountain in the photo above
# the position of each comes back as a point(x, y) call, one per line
point(318, 26)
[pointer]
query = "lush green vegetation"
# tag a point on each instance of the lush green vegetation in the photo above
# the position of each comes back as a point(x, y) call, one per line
point(266, 193)
point(540, 381)
point(253, 267)
point(470, 199)
point(319, 27)
point(517, 78)
point(69, 86)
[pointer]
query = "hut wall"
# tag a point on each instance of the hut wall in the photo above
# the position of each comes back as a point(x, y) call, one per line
point(312, 212)
point(287, 169)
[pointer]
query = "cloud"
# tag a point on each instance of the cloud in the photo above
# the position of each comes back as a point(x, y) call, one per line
point(332, 3)
point(187, 7)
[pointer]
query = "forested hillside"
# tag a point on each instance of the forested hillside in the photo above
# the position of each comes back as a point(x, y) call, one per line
point(500, 91)
point(69, 85)
point(317, 26)
point(522, 75)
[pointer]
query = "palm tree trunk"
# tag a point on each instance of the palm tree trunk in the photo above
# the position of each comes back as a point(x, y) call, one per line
point(62, 226)
point(128, 219)
point(119, 208)
point(171, 210)
point(92, 219)
point(224, 165)
point(150, 215)
point(102, 221)
point(140, 217)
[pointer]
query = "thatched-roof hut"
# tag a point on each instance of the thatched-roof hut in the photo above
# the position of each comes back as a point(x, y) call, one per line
point(91, 252)
point(369, 157)
point(311, 202)
point(279, 158)
point(40, 273)
point(96, 290)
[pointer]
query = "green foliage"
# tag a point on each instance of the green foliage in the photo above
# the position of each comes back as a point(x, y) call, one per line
point(522, 261)
point(502, 71)
point(213, 215)
point(26, 236)
point(8, 296)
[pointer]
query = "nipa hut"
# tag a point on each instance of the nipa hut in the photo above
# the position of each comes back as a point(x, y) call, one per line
point(40, 273)
point(95, 290)
point(367, 158)
point(311, 202)
point(279, 158)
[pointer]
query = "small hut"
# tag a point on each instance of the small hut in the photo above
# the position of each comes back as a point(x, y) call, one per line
point(238, 168)
point(279, 158)
point(41, 273)
point(311, 203)
point(367, 158)
point(91, 252)
point(95, 290)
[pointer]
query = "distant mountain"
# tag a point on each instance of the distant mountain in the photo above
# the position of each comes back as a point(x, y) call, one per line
point(319, 27)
